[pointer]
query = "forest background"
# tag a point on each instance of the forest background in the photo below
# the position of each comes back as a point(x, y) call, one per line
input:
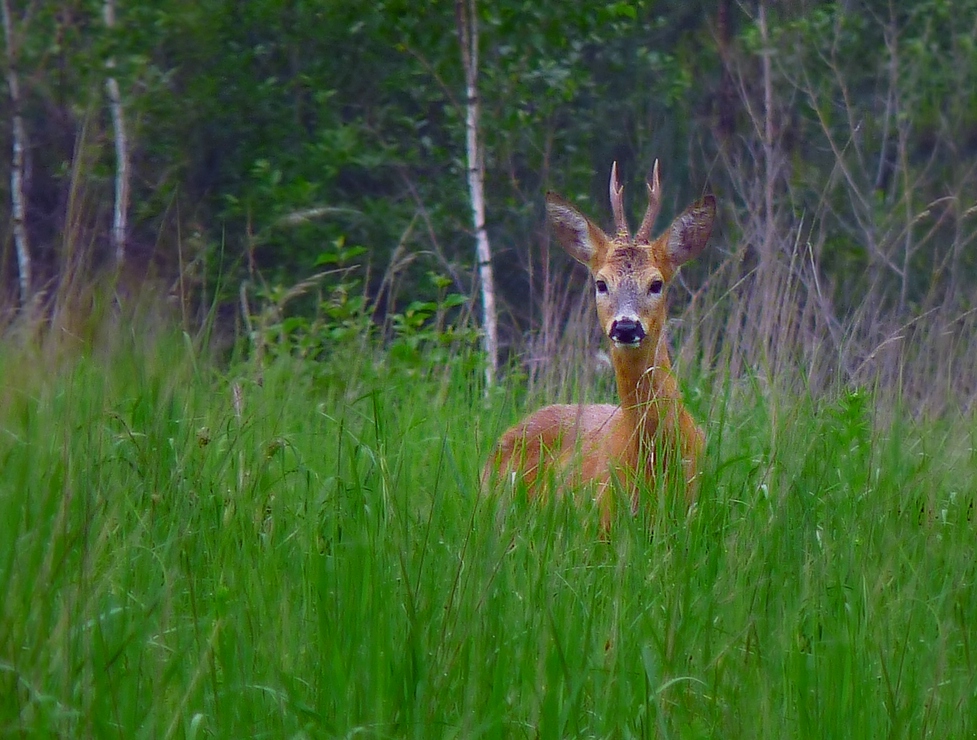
point(306, 161)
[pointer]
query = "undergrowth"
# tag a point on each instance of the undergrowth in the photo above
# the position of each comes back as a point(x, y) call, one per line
point(300, 549)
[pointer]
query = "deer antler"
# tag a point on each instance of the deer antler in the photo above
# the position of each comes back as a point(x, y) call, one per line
point(654, 204)
point(617, 205)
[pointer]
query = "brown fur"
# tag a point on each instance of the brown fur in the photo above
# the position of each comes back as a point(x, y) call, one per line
point(651, 431)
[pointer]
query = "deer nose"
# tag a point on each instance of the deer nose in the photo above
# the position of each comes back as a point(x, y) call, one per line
point(627, 331)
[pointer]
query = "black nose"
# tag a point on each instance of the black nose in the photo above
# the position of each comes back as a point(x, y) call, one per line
point(627, 331)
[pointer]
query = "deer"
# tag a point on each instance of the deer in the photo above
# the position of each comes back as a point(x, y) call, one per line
point(650, 433)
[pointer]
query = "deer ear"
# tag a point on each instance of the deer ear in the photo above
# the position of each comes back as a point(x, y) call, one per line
point(581, 239)
point(689, 233)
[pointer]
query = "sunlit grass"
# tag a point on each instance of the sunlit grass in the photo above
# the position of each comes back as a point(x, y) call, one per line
point(188, 552)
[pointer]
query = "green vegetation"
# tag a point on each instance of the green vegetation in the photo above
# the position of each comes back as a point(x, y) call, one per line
point(277, 531)
point(260, 132)
point(288, 551)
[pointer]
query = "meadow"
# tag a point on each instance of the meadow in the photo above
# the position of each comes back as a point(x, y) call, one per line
point(298, 548)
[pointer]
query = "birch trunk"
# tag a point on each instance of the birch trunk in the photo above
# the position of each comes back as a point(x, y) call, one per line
point(467, 18)
point(17, 199)
point(121, 211)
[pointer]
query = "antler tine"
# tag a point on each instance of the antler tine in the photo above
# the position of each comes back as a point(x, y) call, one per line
point(654, 205)
point(617, 204)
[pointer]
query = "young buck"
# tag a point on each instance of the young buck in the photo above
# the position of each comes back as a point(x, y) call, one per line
point(651, 432)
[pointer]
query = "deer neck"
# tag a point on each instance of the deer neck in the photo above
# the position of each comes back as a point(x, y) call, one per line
point(647, 389)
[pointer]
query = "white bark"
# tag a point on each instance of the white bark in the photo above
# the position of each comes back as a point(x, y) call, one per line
point(121, 211)
point(19, 145)
point(467, 17)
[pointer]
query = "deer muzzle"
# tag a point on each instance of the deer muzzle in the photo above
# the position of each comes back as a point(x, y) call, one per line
point(627, 331)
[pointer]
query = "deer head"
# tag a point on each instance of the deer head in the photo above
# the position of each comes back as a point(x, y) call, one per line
point(631, 275)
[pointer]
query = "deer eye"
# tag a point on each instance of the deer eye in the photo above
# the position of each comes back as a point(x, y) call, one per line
point(601, 286)
point(656, 286)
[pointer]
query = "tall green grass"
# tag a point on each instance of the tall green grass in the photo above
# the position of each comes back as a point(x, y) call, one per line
point(302, 551)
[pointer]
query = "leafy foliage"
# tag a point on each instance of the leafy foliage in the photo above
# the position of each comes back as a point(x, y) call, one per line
point(264, 132)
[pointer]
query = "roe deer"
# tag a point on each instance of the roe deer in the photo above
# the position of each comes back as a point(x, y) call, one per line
point(651, 432)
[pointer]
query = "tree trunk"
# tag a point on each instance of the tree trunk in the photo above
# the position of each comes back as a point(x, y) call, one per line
point(17, 199)
point(467, 18)
point(726, 95)
point(121, 212)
